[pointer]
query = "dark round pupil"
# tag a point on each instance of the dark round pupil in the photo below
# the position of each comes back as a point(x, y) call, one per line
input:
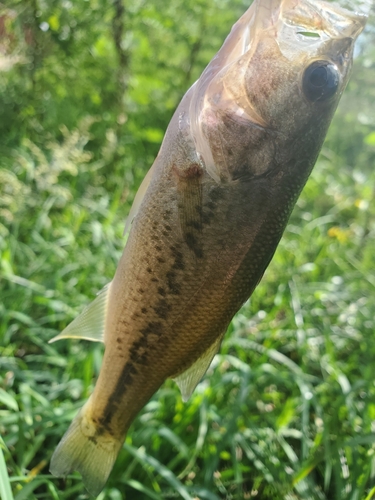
point(319, 77)
point(321, 80)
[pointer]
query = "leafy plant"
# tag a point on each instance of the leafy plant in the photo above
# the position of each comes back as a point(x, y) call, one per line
point(287, 409)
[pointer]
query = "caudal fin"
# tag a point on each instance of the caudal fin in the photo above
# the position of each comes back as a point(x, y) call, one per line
point(86, 450)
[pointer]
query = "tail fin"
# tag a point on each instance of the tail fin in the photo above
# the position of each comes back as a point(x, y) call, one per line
point(86, 450)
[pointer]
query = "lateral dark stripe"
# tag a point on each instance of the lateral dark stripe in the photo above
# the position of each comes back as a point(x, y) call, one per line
point(138, 353)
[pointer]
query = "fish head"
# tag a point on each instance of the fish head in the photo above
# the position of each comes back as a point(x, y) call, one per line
point(272, 89)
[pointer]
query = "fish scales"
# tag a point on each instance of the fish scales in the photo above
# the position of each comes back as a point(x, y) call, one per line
point(209, 215)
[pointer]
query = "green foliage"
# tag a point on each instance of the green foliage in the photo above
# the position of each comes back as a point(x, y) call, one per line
point(287, 409)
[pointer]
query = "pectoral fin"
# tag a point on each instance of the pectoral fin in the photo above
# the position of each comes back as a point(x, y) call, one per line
point(190, 208)
point(189, 379)
point(138, 199)
point(90, 324)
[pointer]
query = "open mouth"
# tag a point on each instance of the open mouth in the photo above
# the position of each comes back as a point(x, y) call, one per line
point(301, 30)
point(318, 17)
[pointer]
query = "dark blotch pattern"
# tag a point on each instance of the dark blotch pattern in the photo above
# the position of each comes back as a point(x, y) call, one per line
point(195, 225)
point(178, 259)
point(193, 244)
point(162, 309)
point(125, 380)
point(173, 287)
point(216, 193)
point(138, 356)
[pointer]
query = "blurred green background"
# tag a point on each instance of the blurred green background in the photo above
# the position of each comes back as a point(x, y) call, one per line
point(287, 410)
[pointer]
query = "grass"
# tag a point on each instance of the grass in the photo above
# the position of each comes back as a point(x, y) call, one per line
point(287, 410)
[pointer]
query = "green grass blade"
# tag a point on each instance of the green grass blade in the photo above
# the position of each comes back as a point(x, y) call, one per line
point(143, 458)
point(5, 489)
point(25, 493)
point(371, 494)
point(136, 485)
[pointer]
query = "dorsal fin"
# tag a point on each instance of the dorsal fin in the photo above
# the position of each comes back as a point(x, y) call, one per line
point(138, 199)
point(189, 379)
point(90, 324)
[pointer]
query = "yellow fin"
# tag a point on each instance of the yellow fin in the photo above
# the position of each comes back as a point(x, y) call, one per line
point(138, 199)
point(189, 379)
point(84, 449)
point(90, 324)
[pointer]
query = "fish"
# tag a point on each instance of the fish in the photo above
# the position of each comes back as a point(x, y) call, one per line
point(209, 215)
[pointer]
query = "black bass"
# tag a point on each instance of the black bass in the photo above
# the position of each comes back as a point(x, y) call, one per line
point(209, 215)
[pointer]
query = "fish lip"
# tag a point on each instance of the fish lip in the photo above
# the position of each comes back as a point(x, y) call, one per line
point(329, 20)
point(323, 17)
point(332, 19)
point(281, 21)
point(343, 23)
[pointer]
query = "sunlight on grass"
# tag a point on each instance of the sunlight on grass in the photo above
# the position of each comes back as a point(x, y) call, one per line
point(5, 488)
point(287, 409)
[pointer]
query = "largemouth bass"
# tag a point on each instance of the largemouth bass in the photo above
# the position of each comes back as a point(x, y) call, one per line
point(209, 215)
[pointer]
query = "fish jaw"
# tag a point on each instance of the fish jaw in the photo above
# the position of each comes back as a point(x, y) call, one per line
point(307, 29)
point(324, 17)
point(265, 55)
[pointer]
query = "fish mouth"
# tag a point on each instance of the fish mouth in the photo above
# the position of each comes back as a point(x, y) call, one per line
point(316, 17)
point(281, 18)
point(300, 30)
point(323, 17)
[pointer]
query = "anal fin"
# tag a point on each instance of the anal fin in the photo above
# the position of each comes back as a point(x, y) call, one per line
point(189, 379)
point(90, 324)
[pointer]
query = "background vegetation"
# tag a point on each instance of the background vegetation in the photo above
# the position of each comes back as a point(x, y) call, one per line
point(287, 410)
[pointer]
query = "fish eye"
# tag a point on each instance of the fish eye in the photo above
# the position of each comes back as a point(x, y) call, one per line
point(320, 81)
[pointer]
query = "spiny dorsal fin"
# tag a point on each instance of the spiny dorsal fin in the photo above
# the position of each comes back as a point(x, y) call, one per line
point(138, 199)
point(89, 325)
point(189, 379)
